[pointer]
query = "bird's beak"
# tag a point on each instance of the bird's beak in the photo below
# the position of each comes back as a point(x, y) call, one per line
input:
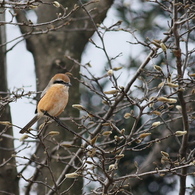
point(69, 84)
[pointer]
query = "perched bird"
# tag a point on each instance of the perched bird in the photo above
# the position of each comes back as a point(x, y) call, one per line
point(54, 99)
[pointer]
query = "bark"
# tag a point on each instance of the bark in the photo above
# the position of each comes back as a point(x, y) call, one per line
point(8, 172)
point(49, 51)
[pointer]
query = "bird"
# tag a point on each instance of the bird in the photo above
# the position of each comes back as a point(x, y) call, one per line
point(54, 99)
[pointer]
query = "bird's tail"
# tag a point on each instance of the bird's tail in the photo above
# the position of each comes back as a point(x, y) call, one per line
point(32, 122)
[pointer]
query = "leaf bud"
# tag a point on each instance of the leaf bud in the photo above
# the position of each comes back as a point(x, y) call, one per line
point(180, 133)
point(112, 167)
point(127, 115)
point(165, 154)
point(178, 107)
point(163, 46)
point(52, 133)
point(117, 68)
point(143, 135)
point(78, 106)
point(25, 136)
point(72, 175)
point(106, 133)
point(115, 91)
point(156, 124)
point(110, 72)
point(56, 4)
point(119, 156)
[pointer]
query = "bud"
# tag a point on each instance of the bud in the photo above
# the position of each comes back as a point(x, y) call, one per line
point(105, 102)
point(56, 4)
point(151, 99)
point(163, 46)
point(143, 135)
point(90, 115)
point(92, 141)
point(158, 68)
point(110, 72)
point(119, 156)
point(161, 107)
point(157, 140)
point(168, 100)
point(122, 131)
point(115, 91)
point(161, 84)
point(138, 141)
point(156, 112)
point(172, 100)
point(121, 87)
point(78, 106)
point(6, 123)
point(88, 64)
point(91, 153)
point(181, 89)
point(106, 133)
point(169, 79)
point(112, 167)
point(180, 133)
point(116, 138)
point(170, 106)
point(192, 75)
point(164, 159)
point(25, 136)
point(173, 85)
point(193, 91)
point(117, 68)
point(156, 124)
point(41, 126)
point(165, 154)
point(75, 6)
point(156, 43)
point(72, 175)
point(178, 107)
point(106, 124)
point(32, 6)
point(52, 133)
point(193, 162)
point(127, 115)
point(66, 144)
point(162, 99)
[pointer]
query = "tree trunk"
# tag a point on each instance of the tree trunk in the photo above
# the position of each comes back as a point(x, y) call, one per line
point(50, 51)
point(8, 172)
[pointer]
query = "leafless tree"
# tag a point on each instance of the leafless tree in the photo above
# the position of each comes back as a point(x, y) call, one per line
point(133, 134)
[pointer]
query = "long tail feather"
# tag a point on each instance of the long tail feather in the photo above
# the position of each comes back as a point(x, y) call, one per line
point(32, 122)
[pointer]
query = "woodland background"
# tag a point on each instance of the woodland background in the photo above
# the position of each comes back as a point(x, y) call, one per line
point(129, 124)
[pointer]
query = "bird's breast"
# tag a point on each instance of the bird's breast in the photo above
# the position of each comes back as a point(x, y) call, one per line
point(54, 101)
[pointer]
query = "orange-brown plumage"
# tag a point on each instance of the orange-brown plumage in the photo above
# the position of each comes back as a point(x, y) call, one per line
point(52, 102)
point(54, 99)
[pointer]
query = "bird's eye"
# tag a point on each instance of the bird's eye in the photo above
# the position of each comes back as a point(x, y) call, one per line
point(61, 82)
point(58, 82)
